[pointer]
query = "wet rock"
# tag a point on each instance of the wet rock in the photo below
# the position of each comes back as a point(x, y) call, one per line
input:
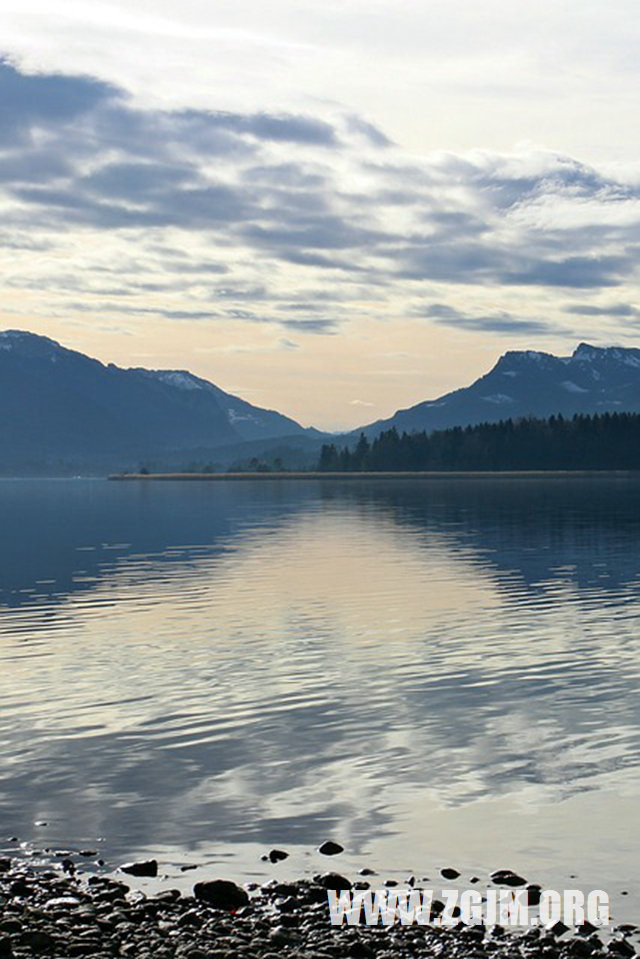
point(507, 877)
point(332, 880)
point(37, 941)
point(285, 889)
point(330, 848)
point(168, 895)
point(359, 950)
point(277, 855)
point(533, 894)
point(580, 948)
point(6, 950)
point(147, 867)
point(620, 947)
point(367, 872)
point(221, 894)
point(20, 888)
point(289, 905)
point(449, 873)
point(5, 865)
point(587, 928)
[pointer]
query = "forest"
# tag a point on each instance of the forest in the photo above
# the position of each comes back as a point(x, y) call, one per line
point(608, 441)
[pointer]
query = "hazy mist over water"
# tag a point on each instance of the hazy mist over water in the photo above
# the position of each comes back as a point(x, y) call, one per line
point(429, 671)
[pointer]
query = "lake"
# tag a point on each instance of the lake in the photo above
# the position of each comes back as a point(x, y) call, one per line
point(432, 672)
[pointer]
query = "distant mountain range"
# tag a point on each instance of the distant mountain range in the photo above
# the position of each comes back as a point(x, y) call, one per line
point(62, 412)
point(528, 383)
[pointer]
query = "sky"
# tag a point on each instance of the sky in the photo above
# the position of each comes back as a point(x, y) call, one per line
point(335, 209)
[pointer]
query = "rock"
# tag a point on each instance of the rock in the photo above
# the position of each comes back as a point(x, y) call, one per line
point(6, 952)
point(5, 865)
point(37, 941)
point(620, 947)
point(507, 877)
point(586, 929)
point(449, 873)
point(533, 895)
point(367, 872)
point(147, 867)
point(359, 950)
point(332, 880)
point(221, 894)
point(330, 848)
point(290, 904)
point(168, 895)
point(62, 902)
point(277, 855)
point(580, 948)
point(20, 888)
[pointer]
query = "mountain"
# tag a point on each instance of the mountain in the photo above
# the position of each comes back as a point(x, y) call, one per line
point(529, 383)
point(61, 409)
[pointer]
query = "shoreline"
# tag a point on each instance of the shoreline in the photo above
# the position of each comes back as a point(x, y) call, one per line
point(60, 911)
point(378, 475)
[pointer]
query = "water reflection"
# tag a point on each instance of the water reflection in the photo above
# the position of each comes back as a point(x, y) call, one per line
point(269, 663)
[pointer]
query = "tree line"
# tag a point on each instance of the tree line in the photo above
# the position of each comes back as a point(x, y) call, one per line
point(607, 441)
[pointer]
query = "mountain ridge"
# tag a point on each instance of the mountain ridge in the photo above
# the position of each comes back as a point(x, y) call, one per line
point(60, 406)
point(530, 383)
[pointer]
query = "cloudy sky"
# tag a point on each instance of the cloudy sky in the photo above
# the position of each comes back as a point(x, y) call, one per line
point(332, 208)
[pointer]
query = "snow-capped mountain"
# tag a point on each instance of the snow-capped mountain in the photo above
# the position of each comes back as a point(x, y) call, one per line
point(528, 383)
point(60, 406)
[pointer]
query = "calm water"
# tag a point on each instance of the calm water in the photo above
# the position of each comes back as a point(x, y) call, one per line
point(431, 672)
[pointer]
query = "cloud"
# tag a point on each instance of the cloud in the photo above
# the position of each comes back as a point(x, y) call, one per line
point(499, 322)
point(614, 309)
point(312, 325)
point(369, 131)
point(46, 100)
point(279, 203)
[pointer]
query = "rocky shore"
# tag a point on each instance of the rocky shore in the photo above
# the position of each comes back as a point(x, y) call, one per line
point(59, 912)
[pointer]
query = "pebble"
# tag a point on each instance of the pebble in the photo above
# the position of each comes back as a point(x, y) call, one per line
point(148, 867)
point(221, 893)
point(330, 848)
point(507, 877)
point(277, 855)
